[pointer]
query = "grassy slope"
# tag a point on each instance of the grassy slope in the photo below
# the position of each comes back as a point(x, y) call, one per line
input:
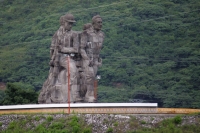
point(151, 46)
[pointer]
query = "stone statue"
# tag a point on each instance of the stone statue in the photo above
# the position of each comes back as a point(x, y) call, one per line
point(65, 42)
point(91, 44)
point(49, 84)
point(79, 50)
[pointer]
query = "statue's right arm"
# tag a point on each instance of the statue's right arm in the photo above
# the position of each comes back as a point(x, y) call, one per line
point(53, 44)
point(83, 46)
point(53, 49)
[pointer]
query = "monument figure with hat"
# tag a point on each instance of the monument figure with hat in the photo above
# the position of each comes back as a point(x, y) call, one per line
point(74, 61)
point(65, 42)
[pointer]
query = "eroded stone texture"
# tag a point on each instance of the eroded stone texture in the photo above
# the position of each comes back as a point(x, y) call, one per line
point(78, 53)
point(91, 44)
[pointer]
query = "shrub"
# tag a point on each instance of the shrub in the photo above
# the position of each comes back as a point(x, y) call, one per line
point(177, 120)
point(37, 118)
point(143, 122)
point(116, 124)
point(49, 118)
point(109, 130)
point(57, 125)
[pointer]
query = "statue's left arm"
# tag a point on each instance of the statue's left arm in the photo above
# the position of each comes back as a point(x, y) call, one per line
point(100, 59)
point(75, 43)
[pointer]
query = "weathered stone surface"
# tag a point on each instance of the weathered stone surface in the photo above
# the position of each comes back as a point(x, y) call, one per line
point(78, 53)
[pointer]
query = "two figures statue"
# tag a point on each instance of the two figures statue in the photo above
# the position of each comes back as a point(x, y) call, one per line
point(74, 62)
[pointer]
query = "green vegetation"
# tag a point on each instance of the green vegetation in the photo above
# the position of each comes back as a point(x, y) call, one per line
point(72, 124)
point(37, 118)
point(14, 94)
point(172, 125)
point(177, 120)
point(112, 95)
point(115, 124)
point(77, 124)
point(143, 122)
point(109, 130)
point(151, 51)
point(49, 118)
point(2, 95)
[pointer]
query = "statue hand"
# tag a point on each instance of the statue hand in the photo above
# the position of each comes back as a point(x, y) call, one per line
point(56, 63)
point(51, 63)
point(99, 62)
point(91, 63)
point(86, 58)
point(59, 48)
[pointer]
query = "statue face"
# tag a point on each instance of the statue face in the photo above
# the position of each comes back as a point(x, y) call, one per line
point(97, 24)
point(68, 25)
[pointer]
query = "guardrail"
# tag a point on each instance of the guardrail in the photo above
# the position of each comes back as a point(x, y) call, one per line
point(95, 108)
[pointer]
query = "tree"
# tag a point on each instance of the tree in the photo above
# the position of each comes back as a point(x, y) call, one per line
point(2, 95)
point(15, 95)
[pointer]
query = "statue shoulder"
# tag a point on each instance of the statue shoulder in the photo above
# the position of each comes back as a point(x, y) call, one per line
point(102, 34)
point(56, 35)
point(90, 31)
point(75, 33)
point(84, 33)
point(60, 31)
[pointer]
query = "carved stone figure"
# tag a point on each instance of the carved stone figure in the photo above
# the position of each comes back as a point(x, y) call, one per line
point(49, 84)
point(65, 43)
point(79, 50)
point(91, 44)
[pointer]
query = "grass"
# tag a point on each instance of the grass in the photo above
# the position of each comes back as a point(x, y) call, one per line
point(172, 125)
point(70, 124)
point(133, 122)
point(37, 118)
point(76, 124)
point(143, 122)
point(115, 124)
point(109, 130)
point(49, 118)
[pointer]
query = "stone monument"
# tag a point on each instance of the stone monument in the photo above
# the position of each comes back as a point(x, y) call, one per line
point(74, 61)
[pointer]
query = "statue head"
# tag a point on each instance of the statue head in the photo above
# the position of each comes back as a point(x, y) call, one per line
point(69, 18)
point(97, 22)
point(67, 21)
point(87, 26)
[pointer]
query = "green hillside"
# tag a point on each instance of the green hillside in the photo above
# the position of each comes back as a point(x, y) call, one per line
point(151, 51)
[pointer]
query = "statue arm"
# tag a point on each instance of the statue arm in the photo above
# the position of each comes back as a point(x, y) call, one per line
point(83, 46)
point(69, 50)
point(103, 37)
point(99, 62)
point(83, 54)
point(73, 49)
point(53, 49)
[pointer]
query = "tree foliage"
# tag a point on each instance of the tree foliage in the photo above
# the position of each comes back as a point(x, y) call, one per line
point(151, 47)
point(16, 95)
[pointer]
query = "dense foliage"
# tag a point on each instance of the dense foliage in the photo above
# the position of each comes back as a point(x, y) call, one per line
point(151, 51)
point(15, 95)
